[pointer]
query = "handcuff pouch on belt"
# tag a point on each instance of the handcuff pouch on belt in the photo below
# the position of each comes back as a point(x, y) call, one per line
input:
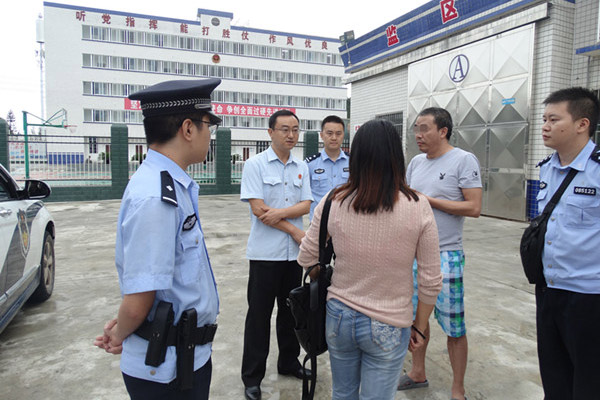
point(157, 343)
point(185, 336)
point(185, 349)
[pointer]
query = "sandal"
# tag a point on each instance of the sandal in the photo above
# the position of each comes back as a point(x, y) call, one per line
point(407, 383)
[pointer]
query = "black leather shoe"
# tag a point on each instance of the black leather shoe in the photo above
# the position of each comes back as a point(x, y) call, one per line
point(252, 393)
point(298, 372)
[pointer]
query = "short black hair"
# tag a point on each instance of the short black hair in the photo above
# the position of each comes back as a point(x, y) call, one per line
point(280, 113)
point(581, 103)
point(441, 117)
point(333, 118)
point(163, 128)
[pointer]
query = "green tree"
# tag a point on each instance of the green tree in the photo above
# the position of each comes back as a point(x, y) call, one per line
point(12, 123)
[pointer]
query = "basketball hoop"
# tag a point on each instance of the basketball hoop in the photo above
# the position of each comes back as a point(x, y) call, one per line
point(71, 128)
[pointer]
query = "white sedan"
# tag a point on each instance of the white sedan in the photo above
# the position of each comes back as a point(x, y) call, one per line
point(26, 246)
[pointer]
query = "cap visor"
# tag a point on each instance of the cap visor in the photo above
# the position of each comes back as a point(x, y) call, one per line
point(213, 118)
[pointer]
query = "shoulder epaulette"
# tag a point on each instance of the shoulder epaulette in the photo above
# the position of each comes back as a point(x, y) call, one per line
point(545, 160)
point(312, 158)
point(167, 188)
point(596, 154)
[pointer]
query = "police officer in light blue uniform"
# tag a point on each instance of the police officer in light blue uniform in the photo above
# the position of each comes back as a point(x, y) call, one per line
point(160, 254)
point(276, 186)
point(329, 168)
point(568, 307)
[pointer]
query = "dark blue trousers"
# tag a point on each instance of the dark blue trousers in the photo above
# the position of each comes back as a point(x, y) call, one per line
point(568, 336)
point(141, 389)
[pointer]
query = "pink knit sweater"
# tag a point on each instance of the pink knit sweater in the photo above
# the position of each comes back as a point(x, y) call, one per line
point(375, 253)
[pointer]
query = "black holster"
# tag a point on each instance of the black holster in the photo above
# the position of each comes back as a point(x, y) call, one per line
point(185, 336)
point(157, 343)
point(185, 349)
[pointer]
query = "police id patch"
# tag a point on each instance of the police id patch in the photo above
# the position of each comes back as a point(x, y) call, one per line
point(189, 222)
point(585, 190)
point(543, 185)
point(319, 171)
point(346, 169)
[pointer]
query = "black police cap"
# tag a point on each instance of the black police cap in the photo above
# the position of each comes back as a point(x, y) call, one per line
point(178, 97)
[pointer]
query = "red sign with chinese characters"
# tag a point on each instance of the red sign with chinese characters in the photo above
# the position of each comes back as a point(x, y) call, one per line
point(247, 110)
point(392, 35)
point(448, 10)
point(132, 105)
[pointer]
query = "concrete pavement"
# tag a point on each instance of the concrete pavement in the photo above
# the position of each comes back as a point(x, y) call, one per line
point(47, 352)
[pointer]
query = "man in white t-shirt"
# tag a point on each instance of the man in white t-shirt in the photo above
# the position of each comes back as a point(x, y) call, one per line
point(450, 178)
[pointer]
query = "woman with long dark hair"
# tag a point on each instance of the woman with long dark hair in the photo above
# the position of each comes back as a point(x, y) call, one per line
point(378, 226)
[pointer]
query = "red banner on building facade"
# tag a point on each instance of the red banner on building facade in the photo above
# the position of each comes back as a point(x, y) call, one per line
point(247, 110)
point(132, 105)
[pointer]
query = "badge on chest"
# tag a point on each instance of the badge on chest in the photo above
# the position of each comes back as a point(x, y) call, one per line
point(189, 222)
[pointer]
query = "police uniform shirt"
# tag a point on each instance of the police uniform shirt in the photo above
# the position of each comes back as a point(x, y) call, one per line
point(160, 247)
point(279, 186)
point(571, 255)
point(326, 174)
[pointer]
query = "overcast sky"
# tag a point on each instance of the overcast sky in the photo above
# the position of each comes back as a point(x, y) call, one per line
point(19, 66)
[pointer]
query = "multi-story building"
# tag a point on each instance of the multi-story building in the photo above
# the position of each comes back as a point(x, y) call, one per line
point(95, 58)
point(491, 63)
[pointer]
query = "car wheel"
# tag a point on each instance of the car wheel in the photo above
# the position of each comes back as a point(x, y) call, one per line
point(47, 266)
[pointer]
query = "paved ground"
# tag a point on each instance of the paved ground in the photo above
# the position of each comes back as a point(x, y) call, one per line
point(47, 352)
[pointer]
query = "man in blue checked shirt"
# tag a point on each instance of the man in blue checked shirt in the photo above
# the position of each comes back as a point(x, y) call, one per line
point(160, 253)
point(276, 185)
point(568, 306)
point(329, 168)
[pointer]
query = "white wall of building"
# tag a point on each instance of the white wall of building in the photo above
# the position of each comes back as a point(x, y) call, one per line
point(67, 51)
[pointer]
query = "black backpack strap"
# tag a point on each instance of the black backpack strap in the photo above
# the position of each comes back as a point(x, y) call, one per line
point(309, 384)
point(325, 246)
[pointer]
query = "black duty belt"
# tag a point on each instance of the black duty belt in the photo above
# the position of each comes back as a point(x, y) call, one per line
point(199, 336)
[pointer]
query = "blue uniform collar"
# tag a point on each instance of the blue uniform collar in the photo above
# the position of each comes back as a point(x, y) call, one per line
point(272, 156)
point(165, 163)
point(579, 162)
point(325, 156)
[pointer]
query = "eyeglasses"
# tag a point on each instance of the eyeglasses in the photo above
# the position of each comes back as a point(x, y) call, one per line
point(286, 131)
point(211, 127)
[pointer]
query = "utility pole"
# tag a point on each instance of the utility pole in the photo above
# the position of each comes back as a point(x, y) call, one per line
point(39, 25)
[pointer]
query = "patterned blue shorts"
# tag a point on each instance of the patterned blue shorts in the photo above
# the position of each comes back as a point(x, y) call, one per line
point(450, 305)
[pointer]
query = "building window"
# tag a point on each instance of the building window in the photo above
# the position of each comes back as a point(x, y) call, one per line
point(598, 33)
point(262, 145)
point(92, 145)
point(395, 119)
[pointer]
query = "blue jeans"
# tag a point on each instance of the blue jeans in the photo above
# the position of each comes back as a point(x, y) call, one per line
point(365, 354)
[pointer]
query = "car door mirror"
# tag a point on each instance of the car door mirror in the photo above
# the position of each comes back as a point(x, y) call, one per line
point(35, 189)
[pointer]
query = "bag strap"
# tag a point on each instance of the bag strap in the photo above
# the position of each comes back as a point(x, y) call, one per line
point(595, 155)
point(325, 247)
point(558, 194)
point(309, 384)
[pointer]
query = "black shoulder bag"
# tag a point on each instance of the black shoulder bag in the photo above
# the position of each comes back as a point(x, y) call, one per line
point(307, 304)
point(532, 241)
